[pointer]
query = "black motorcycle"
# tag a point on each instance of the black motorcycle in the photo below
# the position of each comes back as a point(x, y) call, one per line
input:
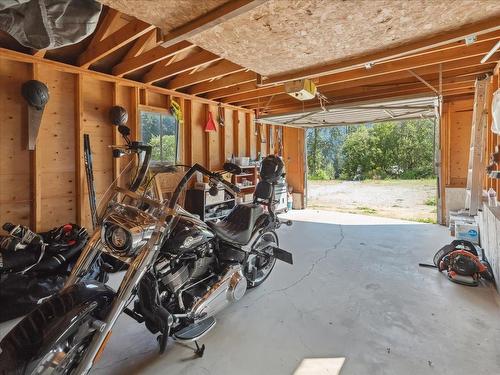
point(180, 271)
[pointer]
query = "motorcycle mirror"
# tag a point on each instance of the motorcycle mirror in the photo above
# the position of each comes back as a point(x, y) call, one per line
point(232, 168)
point(213, 191)
point(124, 130)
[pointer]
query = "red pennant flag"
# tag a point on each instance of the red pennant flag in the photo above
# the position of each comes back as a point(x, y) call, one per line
point(210, 126)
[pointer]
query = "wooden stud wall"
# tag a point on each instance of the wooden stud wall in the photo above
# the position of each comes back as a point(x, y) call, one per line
point(456, 123)
point(492, 139)
point(47, 188)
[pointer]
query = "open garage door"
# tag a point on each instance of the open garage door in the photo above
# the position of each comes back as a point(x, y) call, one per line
point(359, 113)
point(417, 199)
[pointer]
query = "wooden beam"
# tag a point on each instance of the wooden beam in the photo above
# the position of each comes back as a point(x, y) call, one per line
point(236, 133)
point(221, 14)
point(104, 27)
point(233, 90)
point(460, 55)
point(162, 72)
point(443, 39)
point(393, 80)
point(63, 67)
point(80, 175)
point(141, 43)
point(218, 70)
point(222, 83)
point(154, 55)
point(118, 39)
point(39, 53)
point(36, 177)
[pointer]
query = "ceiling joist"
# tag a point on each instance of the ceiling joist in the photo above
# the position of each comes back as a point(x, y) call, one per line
point(221, 14)
point(218, 70)
point(116, 40)
point(413, 49)
point(141, 44)
point(185, 65)
point(153, 56)
point(222, 83)
point(413, 62)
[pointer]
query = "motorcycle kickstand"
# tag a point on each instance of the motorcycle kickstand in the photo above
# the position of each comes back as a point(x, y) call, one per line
point(199, 350)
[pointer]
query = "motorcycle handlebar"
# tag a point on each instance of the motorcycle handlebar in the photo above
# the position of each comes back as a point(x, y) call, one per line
point(218, 177)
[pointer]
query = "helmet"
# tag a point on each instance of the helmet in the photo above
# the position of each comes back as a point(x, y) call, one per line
point(118, 115)
point(35, 93)
point(271, 168)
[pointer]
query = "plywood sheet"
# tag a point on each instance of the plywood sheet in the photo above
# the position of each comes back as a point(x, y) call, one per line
point(198, 144)
point(242, 134)
point(14, 158)
point(459, 142)
point(167, 14)
point(282, 36)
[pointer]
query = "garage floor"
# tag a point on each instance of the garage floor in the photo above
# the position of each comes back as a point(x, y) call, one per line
point(355, 292)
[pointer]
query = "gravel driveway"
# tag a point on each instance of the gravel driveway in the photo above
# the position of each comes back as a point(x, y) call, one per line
point(400, 199)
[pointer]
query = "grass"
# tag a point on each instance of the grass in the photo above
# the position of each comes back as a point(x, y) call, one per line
point(431, 201)
point(426, 220)
point(366, 210)
point(431, 182)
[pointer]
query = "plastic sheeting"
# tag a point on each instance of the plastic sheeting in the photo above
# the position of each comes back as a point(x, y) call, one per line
point(49, 24)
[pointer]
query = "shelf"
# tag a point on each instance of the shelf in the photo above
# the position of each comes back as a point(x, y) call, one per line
point(246, 187)
point(243, 174)
point(247, 166)
point(215, 204)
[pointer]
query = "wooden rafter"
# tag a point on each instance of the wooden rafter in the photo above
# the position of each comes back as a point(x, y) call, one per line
point(221, 14)
point(104, 27)
point(222, 83)
point(185, 65)
point(228, 91)
point(430, 59)
point(141, 43)
point(413, 49)
point(153, 56)
point(430, 73)
point(218, 70)
point(116, 40)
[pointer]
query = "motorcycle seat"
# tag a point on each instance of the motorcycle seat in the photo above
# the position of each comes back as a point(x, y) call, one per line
point(239, 225)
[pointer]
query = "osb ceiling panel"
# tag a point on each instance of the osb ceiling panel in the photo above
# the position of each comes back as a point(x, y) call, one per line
point(167, 14)
point(282, 36)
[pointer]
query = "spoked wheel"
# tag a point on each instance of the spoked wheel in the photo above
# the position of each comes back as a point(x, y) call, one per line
point(257, 267)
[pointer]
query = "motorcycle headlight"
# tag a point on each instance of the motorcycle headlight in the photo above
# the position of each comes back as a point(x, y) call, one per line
point(118, 239)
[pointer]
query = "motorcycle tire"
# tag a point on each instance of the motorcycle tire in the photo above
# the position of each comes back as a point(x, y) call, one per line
point(267, 268)
point(57, 323)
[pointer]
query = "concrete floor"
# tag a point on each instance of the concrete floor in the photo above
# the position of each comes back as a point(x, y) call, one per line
point(354, 292)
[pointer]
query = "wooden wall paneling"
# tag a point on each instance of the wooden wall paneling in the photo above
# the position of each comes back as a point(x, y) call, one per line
point(97, 99)
point(460, 128)
point(214, 147)
point(236, 134)
point(35, 166)
point(80, 173)
point(228, 133)
point(157, 100)
point(206, 137)
point(57, 193)
point(242, 134)
point(15, 161)
point(198, 142)
point(269, 140)
point(222, 140)
point(293, 156)
point(133, 118)
point(187, 151)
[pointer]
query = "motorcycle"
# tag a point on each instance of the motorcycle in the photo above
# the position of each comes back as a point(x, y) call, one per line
point(181, 271)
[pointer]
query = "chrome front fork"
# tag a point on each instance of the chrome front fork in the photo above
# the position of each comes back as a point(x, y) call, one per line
point(132, 277)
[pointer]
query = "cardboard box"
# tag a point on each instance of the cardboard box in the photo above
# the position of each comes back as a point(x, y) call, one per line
point(467, 231)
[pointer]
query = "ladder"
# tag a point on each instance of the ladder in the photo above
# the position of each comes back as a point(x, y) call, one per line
point(477, 140)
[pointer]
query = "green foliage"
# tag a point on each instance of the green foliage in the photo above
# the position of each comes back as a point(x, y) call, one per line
point(385, 150)
point(160, 131)
point(166, 150)
point(431, 201)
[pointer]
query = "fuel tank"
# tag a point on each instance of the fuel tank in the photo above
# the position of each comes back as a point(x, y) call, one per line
point(188, 233)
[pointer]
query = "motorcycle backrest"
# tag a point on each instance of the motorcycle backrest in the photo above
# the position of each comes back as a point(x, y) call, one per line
point(263, 190)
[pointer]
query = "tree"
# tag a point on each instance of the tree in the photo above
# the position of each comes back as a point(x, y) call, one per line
point(164, 149)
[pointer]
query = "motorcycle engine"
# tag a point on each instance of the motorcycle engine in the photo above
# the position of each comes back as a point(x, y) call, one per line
point(196, 265)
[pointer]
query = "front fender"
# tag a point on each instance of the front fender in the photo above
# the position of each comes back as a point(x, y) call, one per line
point(36, 333)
